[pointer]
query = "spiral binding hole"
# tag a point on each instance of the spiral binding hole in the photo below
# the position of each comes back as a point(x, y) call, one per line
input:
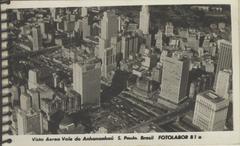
point(7, 86)
point(5, 40)
point(10, 37)
point(7, 95)
point(3, 11)
point(5, 30)
point(7, 141)
point(5, 49)
point(7, 104)
point(7, 123)
point(5, 20)
point(5, 2)
point(5, 58)
point(9, 46)
point(7, 114)
point(5, 67)
point(9, 132)
point(5, 77)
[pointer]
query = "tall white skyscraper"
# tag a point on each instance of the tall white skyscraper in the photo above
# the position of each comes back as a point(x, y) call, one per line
point(144, 19)
point(174, 79)
point(210, 111)
point(108, 62)
point(84, 11)
point(224, 57)
point(25, 101)
point(169, 29)
point(223, 83)
point(109, 25)
point(43, 29)
point(53, 13)
point(109, 29)
point(86, 81)
point(29, 122)
point(32, 79)
point(37, 38)
point(158, 38)
point(84, 27)
point(19, 15)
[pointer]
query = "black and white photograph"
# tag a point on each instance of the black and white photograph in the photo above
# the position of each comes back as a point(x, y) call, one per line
point(121, 69)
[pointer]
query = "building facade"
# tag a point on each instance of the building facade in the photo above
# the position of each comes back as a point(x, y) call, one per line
point(144, 20)
point(37, 38)
point(174, 79)
point(210, 111)
point(224, 57)
point(86, 81)
point(223, 83)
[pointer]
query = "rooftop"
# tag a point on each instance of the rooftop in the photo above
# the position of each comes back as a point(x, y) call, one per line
point(66, 121)
point(212, 96)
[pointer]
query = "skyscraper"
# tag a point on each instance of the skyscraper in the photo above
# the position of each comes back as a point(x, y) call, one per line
point(224, 57)
point(84, 12)
point(19, 15)
point(125, 47)
point(157, 73)
point(158, 39)
point(169, 29)
point(53, 13)
point(35, 96)
point(108, 61)
point(144, 20)
point(109, 25)
point(29, 122)
point(174, 79)
point(82, 23)
point(32, 79)
point(42, 26)
point(109, 29)
point(223, 83)
point(37, 38)
point(86, 81)
point(68, 26)
point(210, 111)
point(25, 101)
point(129, 45)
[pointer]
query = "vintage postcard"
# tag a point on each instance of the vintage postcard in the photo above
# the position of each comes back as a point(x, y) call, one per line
point(124, 72)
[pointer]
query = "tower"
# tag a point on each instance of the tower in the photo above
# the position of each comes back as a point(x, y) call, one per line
point(29, 122)
point(174, 79)
point(109, 29)
point(37, 38)
point(109, 25)
point(84, 12)
point(32, 79)
point(223, 83)
point(53, 13)
point(224, 57)
point(108, 62)
point(158, 39)
point(25, 101)
point(144, 19)
point(210, 111)
point(85, 26)
point(169, 29)
point(86, 81)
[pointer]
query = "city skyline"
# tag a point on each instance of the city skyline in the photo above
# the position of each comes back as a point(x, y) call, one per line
point(122, 69)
